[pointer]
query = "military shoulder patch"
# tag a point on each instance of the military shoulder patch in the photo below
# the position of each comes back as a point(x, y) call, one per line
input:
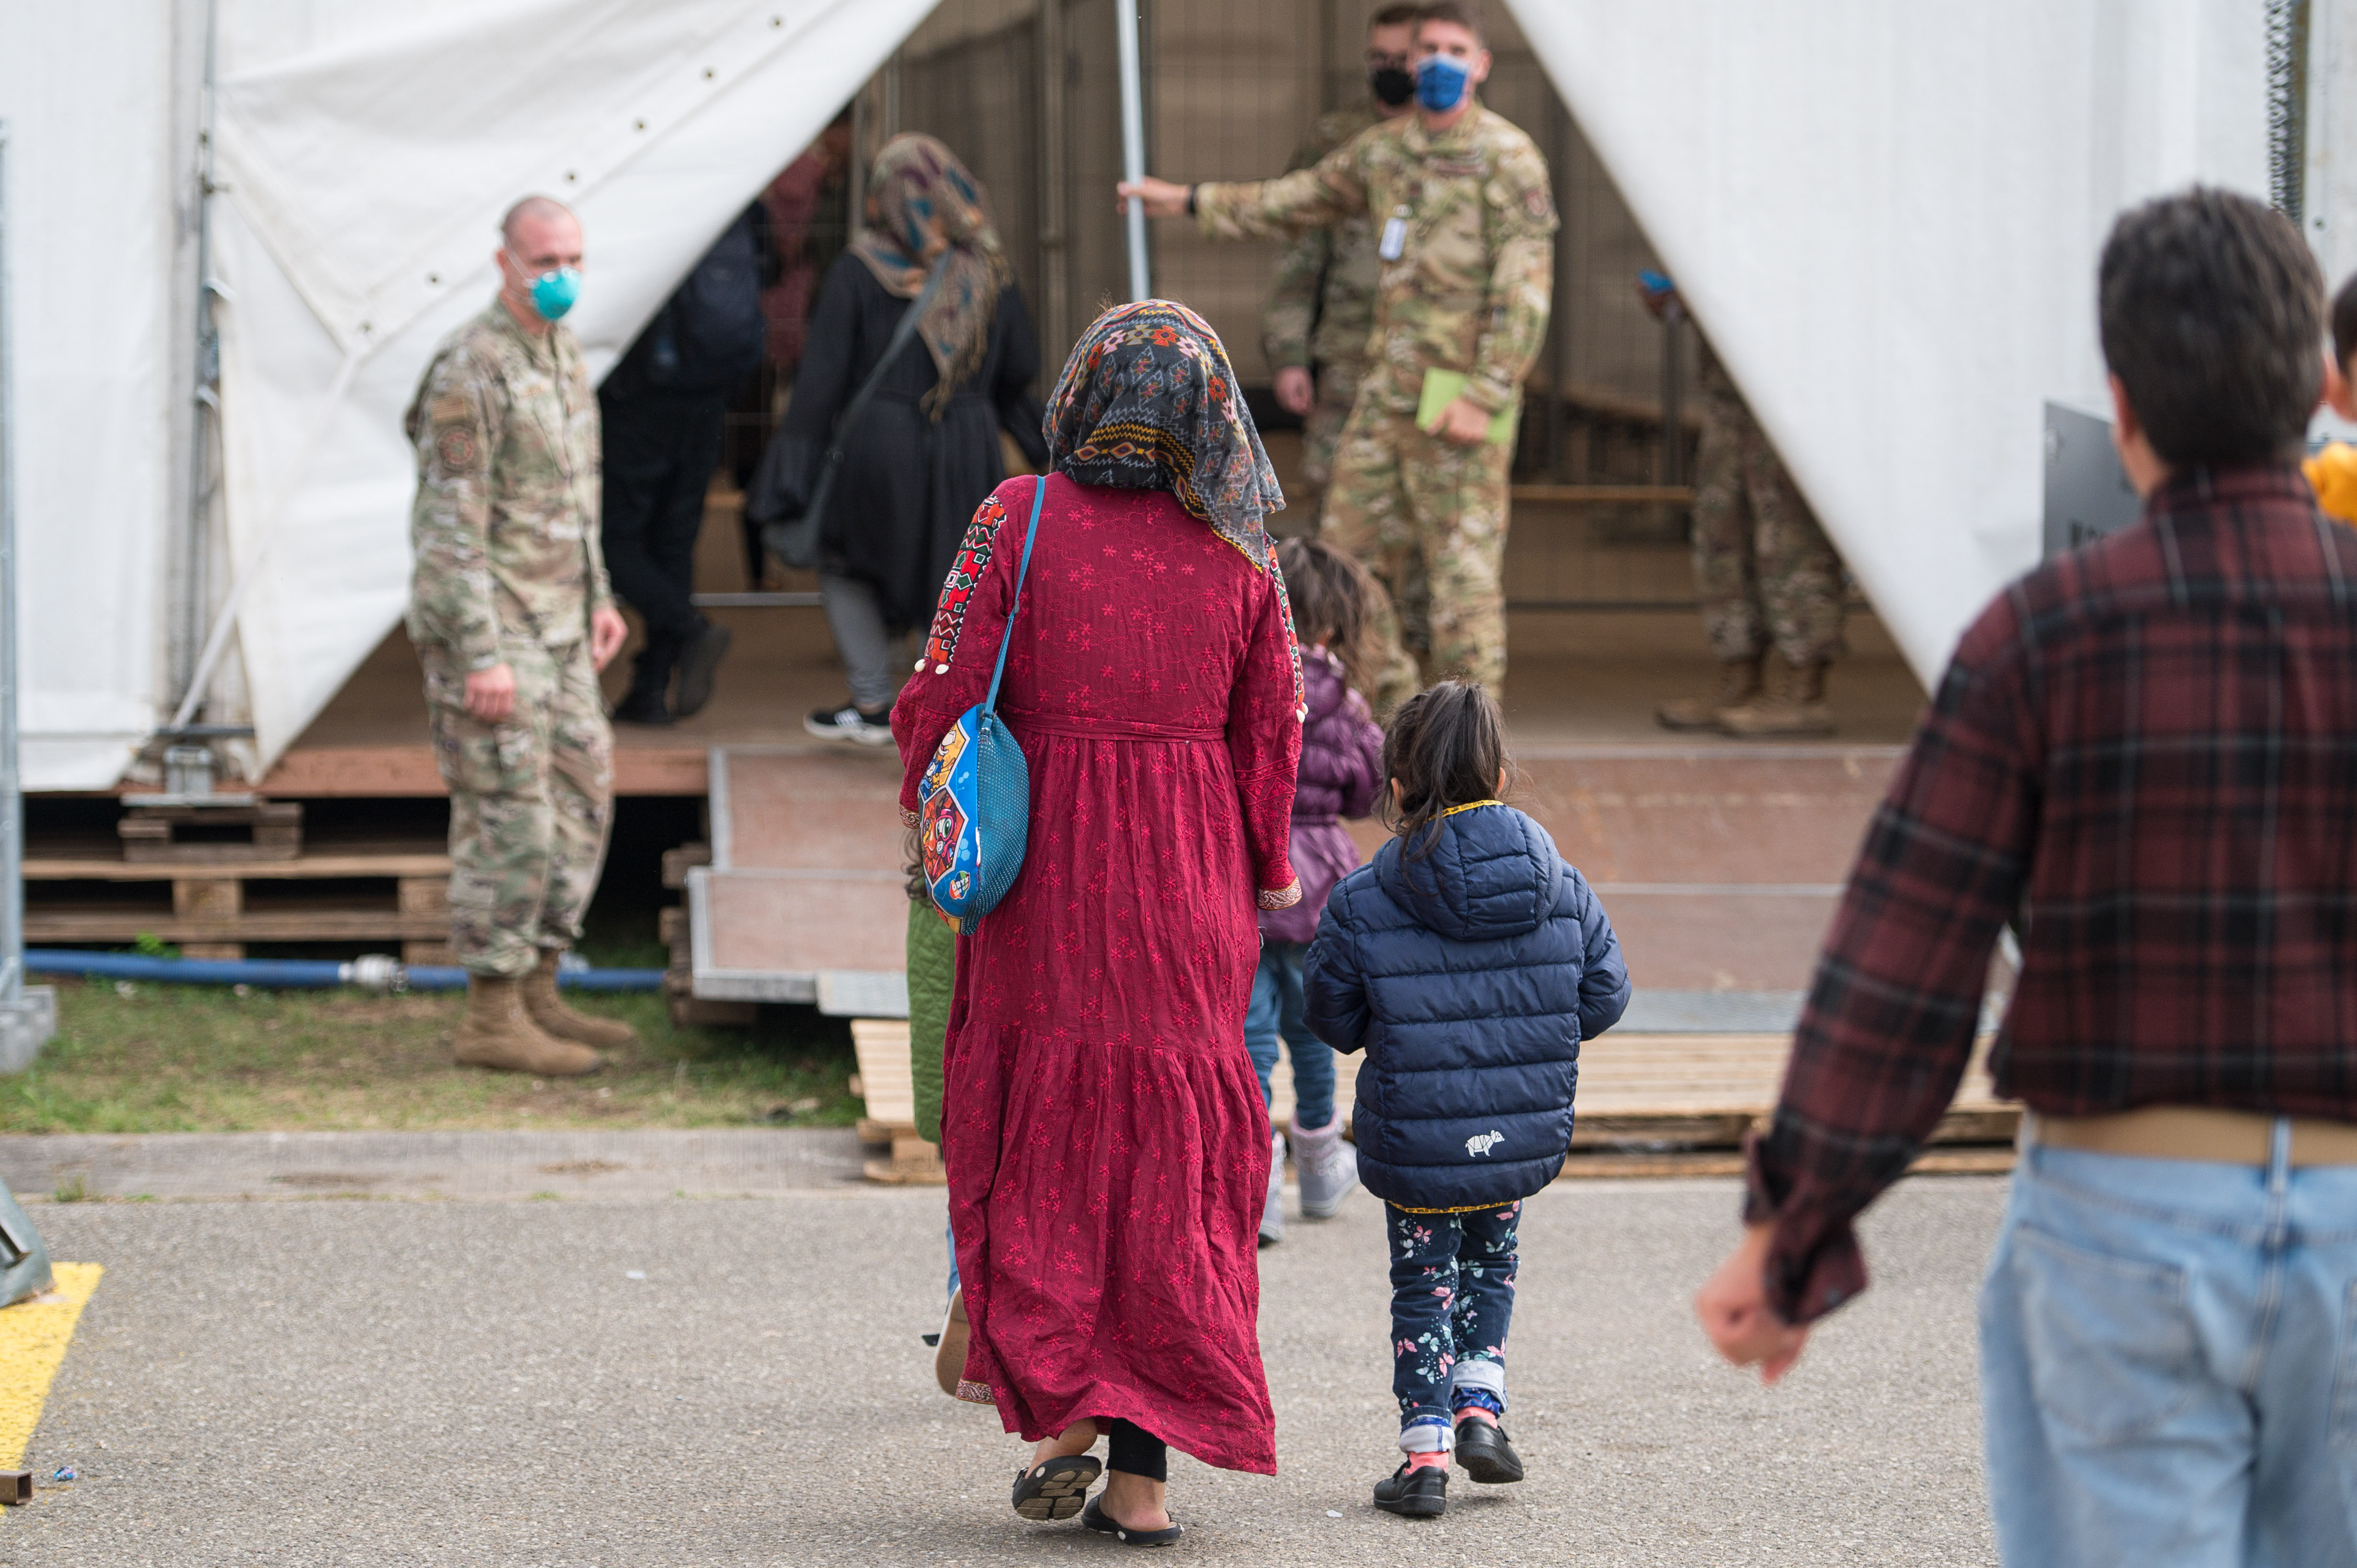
point(455, 447)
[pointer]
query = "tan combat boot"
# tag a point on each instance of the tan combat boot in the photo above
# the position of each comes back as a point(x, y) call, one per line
point(1738, 683)
point(548, 1010)
point(498, 1033)
point(1792, 708)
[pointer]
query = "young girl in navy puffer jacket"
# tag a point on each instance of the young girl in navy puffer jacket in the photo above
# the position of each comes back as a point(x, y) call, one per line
point(1469, 960)
point(1337, 604)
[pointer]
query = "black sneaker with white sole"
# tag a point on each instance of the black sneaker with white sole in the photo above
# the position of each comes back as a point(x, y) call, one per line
point(852, 723)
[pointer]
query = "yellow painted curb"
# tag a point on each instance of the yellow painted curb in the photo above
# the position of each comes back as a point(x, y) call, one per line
point(33, 1339)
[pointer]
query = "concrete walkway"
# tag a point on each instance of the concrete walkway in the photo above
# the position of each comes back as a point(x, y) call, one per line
point(487, 1382)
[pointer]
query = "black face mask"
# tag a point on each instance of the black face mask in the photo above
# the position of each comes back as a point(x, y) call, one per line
point(1392, 84)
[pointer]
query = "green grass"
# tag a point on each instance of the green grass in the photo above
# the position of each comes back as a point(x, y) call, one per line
point(167, 1059)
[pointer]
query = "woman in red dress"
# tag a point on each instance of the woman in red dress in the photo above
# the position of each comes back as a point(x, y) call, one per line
point(1106, 1145)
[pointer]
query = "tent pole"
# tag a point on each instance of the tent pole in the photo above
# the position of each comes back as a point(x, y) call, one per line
point(28, 1018)
point(189, 613)
point(1133, 141)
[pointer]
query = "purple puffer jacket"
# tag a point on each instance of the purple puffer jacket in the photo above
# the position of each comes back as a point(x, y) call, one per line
point(1342, 770)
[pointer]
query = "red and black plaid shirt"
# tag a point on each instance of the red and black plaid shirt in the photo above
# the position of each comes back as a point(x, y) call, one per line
point(2147, 748)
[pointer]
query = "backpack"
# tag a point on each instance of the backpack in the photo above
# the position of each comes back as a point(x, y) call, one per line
point(973, 813)
point(710, 333)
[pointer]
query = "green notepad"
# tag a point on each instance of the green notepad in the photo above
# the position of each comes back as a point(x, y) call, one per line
point(1442, 388)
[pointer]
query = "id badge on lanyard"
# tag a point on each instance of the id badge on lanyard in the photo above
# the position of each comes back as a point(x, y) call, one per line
point(1395, 241)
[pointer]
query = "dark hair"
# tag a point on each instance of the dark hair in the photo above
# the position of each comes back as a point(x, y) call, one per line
point(2211, 309)
point(1395, 16)
point(1445, 747)
point(1336, 602)
point(2344, 324)
point(1466, 14)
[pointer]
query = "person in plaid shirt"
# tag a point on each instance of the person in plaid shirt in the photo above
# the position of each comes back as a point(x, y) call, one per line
point(2143, 753)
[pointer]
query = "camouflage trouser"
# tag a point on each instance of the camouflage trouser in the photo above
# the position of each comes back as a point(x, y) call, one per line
point(1321, 429)
point(531, 800)
point(1429, 518)
point(1764, 569)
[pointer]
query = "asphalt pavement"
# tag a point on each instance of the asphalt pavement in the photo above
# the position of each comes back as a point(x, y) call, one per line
point(351, 1380)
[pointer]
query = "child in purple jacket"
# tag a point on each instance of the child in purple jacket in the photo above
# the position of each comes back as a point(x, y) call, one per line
point(1336, 604)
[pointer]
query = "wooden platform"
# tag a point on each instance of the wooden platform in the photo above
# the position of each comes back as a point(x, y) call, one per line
point(211, 911)
point(1648, 1105)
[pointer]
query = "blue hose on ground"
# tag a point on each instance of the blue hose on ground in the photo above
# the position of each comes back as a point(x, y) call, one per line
point(372, 971)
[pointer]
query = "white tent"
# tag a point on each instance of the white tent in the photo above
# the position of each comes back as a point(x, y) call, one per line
point(1885, 215)
point(363, 155)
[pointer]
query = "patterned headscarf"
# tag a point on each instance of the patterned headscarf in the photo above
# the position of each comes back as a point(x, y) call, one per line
point(1149, 402)
point(921, 201)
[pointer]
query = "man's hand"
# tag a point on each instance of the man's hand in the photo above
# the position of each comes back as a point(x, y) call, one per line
point(1733, 1306)
point(1464, 423)
point(490, 693)
point(608, 632)
point(1163, 200)
point(1297, 394)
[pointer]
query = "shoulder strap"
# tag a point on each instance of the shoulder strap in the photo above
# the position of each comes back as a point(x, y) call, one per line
point(1007, 636)
point(902, 331)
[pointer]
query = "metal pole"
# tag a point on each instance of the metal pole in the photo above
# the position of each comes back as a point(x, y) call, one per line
point(12, 797)
point(1133, 141)
point(1056, 331)
point(28, 1016)
point(189, 625)
point(1673, 384)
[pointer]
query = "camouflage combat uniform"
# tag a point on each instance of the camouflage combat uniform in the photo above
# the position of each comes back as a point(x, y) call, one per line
point(1764, 570)
point(1468, 292)
point(509, 571)
point(1323, 305)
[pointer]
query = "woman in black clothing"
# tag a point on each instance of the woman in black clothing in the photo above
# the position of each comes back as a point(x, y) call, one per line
point(924, 452)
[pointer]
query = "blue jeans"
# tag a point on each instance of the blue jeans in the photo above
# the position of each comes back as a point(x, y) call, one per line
point(2168, 1363)
point(1452, 1301)
point(1277, 1010)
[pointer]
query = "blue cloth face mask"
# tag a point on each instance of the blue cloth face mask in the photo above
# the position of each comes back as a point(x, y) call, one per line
point(552, 293)
point(1440, 83)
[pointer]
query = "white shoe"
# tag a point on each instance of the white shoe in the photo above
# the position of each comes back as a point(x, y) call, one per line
point(1272, 1213)
point(1328, 1167)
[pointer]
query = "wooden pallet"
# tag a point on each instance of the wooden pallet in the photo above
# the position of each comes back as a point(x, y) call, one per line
point(213, 909)
point(887, 1083)
point(207, 835)
point(675, 928)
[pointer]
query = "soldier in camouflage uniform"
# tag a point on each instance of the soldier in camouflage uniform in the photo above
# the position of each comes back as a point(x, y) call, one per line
point(513, 617)
point(1767, 577)
point(1322, 309)
point(1466, 243)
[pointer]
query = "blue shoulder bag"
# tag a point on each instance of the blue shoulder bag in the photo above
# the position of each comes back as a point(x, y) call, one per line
point(975, 805)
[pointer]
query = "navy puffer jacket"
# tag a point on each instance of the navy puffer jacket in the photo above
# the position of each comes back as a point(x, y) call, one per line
point(1470, 976)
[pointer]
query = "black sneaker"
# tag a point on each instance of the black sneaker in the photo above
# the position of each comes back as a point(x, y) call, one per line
point(697, 664)
point(642, 707)
point(851, 722)
point(1488, 1458)
point(1420, 1493)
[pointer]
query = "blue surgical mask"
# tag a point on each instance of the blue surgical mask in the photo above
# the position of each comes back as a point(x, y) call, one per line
point(1440, 83)
point(552, 293)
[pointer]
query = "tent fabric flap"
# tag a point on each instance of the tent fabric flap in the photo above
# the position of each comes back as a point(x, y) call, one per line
point(1886, 219)
point(367, 156)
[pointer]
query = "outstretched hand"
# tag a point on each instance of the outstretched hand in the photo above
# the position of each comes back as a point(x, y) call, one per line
point(1733, 1306)
point(1162, 198)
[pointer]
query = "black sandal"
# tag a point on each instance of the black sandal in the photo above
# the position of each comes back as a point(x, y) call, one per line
point(1094, 1517)
point(1057, 1489)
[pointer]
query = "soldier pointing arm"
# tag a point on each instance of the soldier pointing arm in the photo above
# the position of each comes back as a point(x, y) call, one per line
point(1464, 221)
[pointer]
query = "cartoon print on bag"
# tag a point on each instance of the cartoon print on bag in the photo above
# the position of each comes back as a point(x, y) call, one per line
point(943, 824)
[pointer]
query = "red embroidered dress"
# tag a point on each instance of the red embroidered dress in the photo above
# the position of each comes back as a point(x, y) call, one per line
point(1106, 1145)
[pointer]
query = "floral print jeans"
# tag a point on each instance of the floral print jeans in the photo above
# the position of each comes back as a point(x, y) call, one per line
point(1452, 1298)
